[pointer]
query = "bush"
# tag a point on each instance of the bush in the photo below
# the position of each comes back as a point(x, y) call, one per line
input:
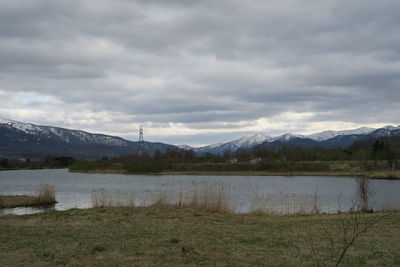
point(83, 166)
point(138, 167)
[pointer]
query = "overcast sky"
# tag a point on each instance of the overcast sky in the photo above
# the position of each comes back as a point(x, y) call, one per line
point(200, 72)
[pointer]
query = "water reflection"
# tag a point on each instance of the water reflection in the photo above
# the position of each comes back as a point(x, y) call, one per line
point(26, 210)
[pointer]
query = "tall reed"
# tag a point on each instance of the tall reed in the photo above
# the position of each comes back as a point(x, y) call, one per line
point(213, 197)
point(285, 203)
point(103, 198)
point(45, 194)
point(202, 196)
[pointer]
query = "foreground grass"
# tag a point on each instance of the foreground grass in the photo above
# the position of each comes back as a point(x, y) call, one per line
point(169, 236)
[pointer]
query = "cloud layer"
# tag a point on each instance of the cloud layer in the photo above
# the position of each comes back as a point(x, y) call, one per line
point(200, 71)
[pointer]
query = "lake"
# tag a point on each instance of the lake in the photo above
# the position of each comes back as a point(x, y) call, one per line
point(277, 193)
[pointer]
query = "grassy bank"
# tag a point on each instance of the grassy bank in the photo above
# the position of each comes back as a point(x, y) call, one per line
point(272, 168)
point(169, 236)
point(391, 175)
point(44, 195)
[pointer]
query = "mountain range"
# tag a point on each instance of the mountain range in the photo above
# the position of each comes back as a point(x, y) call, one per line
point(328, 139)
point(28, 140)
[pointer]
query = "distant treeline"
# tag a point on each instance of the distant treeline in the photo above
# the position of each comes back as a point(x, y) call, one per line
point(44, 163)
point(366, 155)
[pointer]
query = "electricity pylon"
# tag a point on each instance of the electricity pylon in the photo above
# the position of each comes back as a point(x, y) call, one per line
point(140, 143)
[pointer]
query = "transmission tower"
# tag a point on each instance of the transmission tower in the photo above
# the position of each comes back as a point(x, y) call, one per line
point(140, 143)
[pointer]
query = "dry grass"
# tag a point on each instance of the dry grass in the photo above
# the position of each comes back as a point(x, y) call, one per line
point(103, 198)
point(213, 197)
point(203, 196)
point(280, 204)
point(44, 195)
point(169, 236)
point(17, 201)
point(383, 174)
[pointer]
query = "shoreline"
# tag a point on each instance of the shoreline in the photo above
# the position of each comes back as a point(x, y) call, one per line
point(8, 202)
point(31, 169)
point(381, 175)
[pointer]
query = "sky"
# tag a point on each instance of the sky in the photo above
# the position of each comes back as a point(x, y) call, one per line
point(200, 72)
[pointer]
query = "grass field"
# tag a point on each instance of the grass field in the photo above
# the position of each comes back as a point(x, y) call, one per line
point(169, 236)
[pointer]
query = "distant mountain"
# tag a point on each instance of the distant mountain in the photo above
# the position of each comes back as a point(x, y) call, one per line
point(245, 142)
point(27, 140)
point(329, 139)
point(185, 147)
point(326, 135)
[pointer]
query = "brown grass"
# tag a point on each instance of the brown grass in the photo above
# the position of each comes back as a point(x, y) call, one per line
point(213, 197)
point(280, 204)
point(44, 195)
point(383, 175)
point(203, 197)
point(153, 236)
point(103, 198)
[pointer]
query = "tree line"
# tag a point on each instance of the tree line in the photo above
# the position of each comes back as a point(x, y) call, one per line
point(373, 154)
point(43, 163)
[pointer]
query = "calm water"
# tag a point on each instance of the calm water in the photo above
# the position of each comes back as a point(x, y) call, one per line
point(73, 190)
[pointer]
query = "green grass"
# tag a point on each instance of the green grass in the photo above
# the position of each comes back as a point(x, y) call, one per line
point(169, 236)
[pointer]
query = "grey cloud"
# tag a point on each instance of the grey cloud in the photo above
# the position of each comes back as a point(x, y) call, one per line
point(201, 63)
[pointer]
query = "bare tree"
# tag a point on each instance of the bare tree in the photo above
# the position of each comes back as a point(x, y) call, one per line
point(363, 194)
point(352, 225)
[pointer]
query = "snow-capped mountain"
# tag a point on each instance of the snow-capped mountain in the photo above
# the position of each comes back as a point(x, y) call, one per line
point(286, 137)
point(322, 136)
point(251, 140)
point(30, 140)
point(326, 139)
point(19, 139)
point(244, 142)
point(185, 147)
point(386, 131)
point(65, 135)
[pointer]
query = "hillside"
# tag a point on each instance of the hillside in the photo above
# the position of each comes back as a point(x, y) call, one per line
point(34, 141)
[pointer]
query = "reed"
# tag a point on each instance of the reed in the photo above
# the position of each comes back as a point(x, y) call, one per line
point(279, 204)
point(102, 198)
point(44, 195)
point(210, 198)
point(202, 196)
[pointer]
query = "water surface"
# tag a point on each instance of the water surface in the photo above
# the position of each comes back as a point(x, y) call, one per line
point(73, 189)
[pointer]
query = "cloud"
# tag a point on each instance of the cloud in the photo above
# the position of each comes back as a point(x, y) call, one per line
point(200, 70)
